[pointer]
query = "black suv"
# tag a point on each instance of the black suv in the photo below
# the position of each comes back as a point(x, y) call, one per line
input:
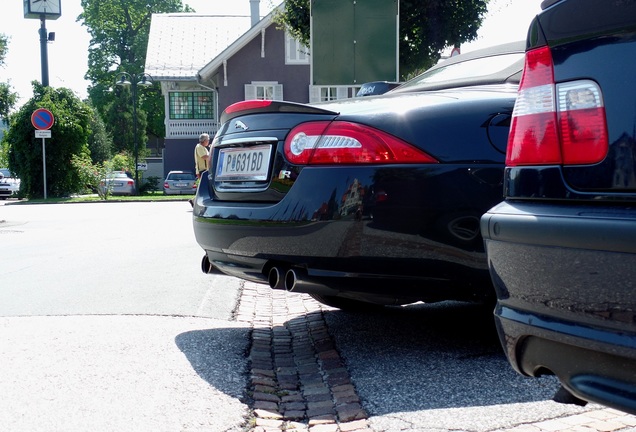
point(562, 246)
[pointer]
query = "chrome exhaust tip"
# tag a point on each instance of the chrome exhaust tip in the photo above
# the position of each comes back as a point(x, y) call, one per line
point(274, 279)
point(207, 267)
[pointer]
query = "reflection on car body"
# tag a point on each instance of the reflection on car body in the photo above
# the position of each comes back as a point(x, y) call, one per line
point(372, 200)
point(562, 246)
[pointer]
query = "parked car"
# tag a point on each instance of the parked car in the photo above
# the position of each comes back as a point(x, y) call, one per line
point(376, 88)
point(372, 200)
point(180, 183)
point(562, 246)
point(118, 183)
point(9, 185)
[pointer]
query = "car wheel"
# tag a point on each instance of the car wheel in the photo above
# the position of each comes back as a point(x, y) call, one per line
point(346, 304)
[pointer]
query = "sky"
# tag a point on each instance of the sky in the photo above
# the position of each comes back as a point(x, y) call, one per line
point(507, 20)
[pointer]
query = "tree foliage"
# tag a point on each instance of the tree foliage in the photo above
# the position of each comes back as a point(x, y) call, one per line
point(426, 27)
point(69, 136)
point(99, 141)
point(7, 97)
point(119, 32)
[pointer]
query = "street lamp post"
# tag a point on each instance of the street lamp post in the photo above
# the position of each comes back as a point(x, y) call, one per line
point(143, 80)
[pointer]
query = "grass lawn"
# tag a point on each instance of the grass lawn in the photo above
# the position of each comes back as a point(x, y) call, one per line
point(148, 196)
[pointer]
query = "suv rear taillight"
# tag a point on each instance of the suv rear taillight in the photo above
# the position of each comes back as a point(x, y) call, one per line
point(552, 123)
point(338, 142)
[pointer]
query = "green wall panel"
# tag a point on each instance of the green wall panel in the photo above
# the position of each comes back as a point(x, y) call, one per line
point(354, 41)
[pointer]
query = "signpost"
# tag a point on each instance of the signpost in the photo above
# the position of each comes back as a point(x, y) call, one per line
point(42, 120)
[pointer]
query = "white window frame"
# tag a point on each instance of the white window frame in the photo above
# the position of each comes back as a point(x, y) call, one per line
point(264, 90)
point(295, 52)
point(326, 93)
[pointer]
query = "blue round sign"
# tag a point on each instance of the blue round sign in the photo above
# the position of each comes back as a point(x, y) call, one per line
point(42, 119)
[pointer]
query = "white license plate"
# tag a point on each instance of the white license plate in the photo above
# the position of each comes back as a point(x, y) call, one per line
point(180, 184)
point(240, 164)
point(117, 184)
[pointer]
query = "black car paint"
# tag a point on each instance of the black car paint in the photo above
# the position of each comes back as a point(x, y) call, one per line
point(562, 246)
point(412, 234)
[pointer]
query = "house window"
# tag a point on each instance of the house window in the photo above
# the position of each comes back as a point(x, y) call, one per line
point(295, 52)
point(191, 105)
point(264, 91)
point(328, 94)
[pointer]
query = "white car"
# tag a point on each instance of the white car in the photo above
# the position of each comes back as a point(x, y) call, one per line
point(9, 185)
point(118, 183)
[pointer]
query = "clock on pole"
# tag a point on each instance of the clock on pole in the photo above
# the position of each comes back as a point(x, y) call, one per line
point(43, 10)
point(51, 9)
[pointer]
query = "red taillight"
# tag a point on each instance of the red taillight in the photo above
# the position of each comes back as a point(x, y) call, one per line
point(556, 123)
point(247, 105)
point(321, 143)
point(166, 185)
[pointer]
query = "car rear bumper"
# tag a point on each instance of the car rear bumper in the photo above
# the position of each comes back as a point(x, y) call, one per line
point(189, 191)
point(339, 236)
point(566, 297)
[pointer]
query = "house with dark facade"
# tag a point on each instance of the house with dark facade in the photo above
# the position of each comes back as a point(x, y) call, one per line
point(204, 63)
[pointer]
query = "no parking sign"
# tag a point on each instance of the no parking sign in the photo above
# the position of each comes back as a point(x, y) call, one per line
point(42, 119)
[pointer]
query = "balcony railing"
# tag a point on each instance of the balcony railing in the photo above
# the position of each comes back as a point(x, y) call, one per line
point(190, 128)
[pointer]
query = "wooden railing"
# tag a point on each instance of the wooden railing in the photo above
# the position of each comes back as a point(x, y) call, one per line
point(190, 128)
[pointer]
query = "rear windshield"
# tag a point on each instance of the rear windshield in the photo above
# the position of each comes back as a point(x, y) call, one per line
point(469, 69)
point(181, 176)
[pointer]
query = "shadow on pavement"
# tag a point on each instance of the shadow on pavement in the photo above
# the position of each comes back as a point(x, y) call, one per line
point(430, 356)
point(218, 357)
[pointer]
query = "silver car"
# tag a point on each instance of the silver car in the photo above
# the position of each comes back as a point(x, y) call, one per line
point(9, 185)
point(180, 183)
point(117, 183)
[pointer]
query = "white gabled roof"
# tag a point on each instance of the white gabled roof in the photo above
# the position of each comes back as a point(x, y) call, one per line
point(180, 44)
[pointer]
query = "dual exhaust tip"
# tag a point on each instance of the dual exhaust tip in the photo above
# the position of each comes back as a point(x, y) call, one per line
point(296, 280)
point(278, 279)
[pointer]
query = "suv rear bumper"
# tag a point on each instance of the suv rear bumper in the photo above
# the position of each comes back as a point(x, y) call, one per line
point(566, 297)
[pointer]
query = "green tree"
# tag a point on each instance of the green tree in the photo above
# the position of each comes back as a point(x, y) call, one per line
point(100, 142)
point(7, 97)
point(119, 38)
point(426, 27)
point(69, 136)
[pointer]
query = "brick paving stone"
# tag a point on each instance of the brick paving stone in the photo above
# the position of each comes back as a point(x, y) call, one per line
point(294, 406)
point(349, 412)
point(296, 426)
point(265, 405)
point(317, 412)
point(324, 419)
point(264, 388)
point(552, 425)
point(269, 423)
point(354, 426)
point(263, 372)
point(270, 397)
point(263, 380)
point(608, 425)
point(324, 428)
point(292, 397)
point(294, 415)
point(267, 414)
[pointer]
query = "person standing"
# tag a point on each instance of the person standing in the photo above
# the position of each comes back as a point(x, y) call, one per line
point(201, 158)
point(202, 155)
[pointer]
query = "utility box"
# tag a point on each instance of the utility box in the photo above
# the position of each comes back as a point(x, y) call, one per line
point(354, 41)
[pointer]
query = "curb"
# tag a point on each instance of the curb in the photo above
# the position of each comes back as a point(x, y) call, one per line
point(298, 379)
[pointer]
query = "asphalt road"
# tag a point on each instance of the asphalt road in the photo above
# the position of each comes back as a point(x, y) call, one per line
point(108, 324)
